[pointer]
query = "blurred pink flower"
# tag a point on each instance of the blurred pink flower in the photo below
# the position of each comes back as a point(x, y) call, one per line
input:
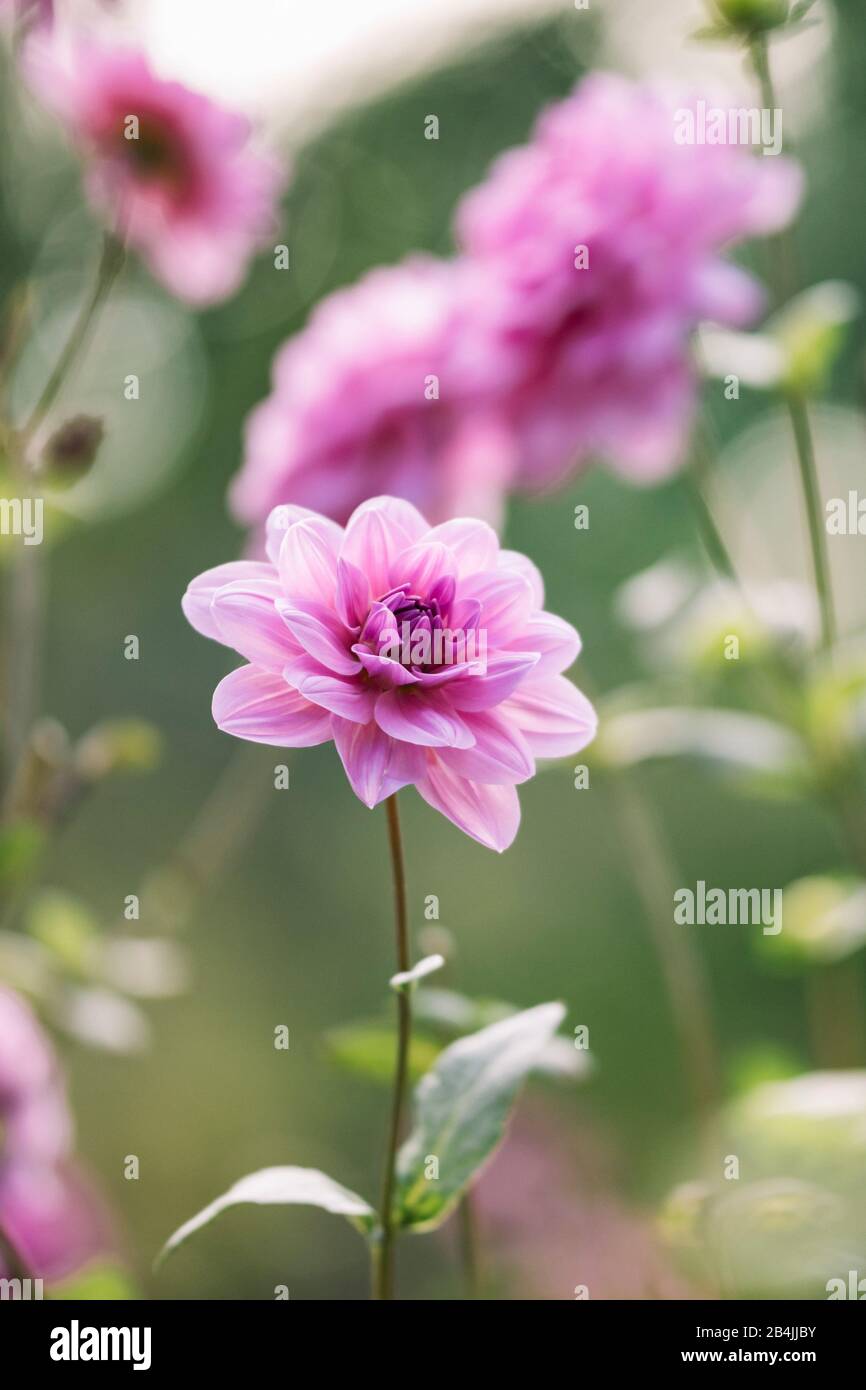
point(167, 167)
point(597, 359)
point(425, 655)
point(47, 1210)
point(387, 390)
point(30, 14)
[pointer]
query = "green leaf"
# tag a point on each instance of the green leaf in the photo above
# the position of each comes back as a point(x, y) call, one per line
point(369, 1049)
point(405, 979)
point(288, 1186)
point(453, 1013)
point(461, 1109)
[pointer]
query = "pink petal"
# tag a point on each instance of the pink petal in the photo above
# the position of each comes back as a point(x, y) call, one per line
point(353, 596)
point(505, 672)
point(776, 196)
point(261, 707)
point(555, 639)
point(278, 522)
point(308, 560)
point(513, 560)
point(473, 544)
point(506, 603)
point(347, 698)
point(320, 634)
point(501, 753)
point(247, 620)
point(375, 764)
point(423, 566)
point(490, 814)
point(423, 718)
point(442, 675)
point(197, 600)
point(376, 533)
point(384, 668)
point(555, 716)
point(726, 293)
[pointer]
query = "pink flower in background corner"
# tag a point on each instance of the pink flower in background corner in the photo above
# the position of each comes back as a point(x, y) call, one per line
point(173, 168)
point(424, 653)
point(388, 389)
point(30, 14)
point(48, 1211)
point(604, 237)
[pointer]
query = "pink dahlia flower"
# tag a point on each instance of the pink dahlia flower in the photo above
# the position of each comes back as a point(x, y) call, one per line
point(597, 358)
point(48, 1213)
point(387, 390)
point(424, 653)
point(168, 168)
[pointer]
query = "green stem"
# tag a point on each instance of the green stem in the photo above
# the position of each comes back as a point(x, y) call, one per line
point(695, 479)
point(22, 658)
point(110, 263)
point(814, 514)
point(761, 63)
point(468, 1241)
point(383, 1269)
point(834, 1004)
point(27, 579)
point(467, 1218)
point(781, 266)
point(781, 261)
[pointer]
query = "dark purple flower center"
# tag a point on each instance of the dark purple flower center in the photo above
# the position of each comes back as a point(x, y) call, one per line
point(408, 628)
point(157, 153)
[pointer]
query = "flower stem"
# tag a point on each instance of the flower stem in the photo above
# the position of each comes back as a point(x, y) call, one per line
point(836, 1015)
point(27, 579)
point(782, 261)
point(814, 515)
point(696, 483)
point(383, 1271)
point(110, 263)
point(467, 1218)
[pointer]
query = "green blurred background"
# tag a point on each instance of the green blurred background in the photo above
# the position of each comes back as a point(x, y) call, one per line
point(298, 931)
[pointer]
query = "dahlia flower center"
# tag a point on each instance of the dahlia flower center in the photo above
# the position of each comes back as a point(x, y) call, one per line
point(411, 630)
point(415, 620)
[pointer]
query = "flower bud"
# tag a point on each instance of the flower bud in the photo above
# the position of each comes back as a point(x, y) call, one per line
point(753, 16)
point(71, 450)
